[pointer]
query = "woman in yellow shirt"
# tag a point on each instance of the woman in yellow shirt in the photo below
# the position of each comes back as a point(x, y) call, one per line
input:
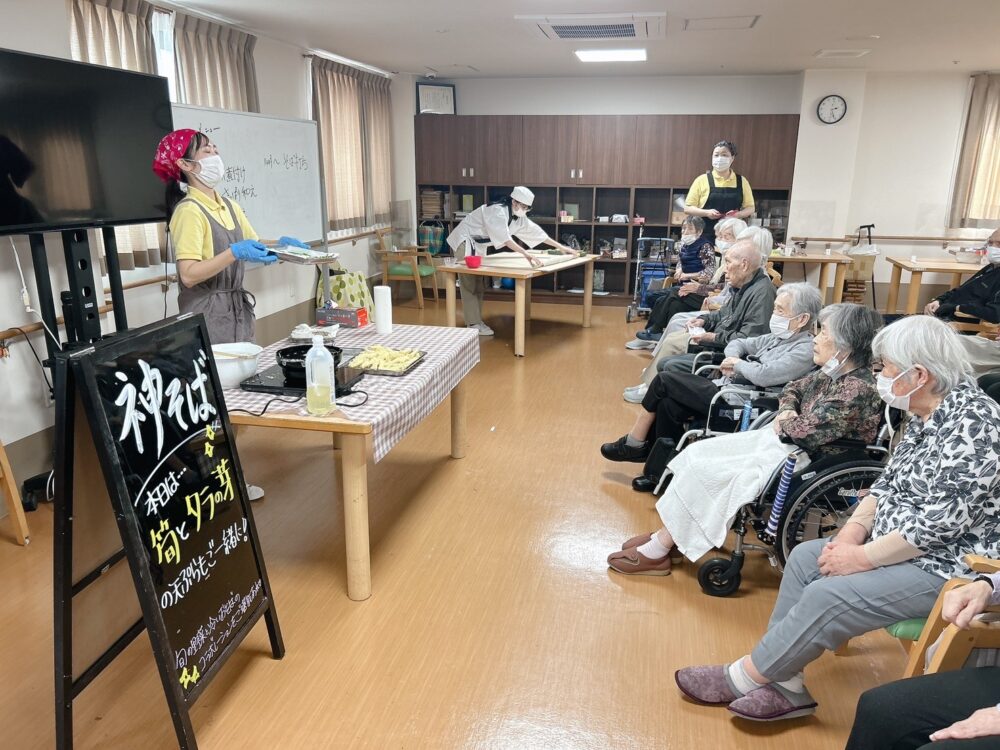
point(211, 237)
point(719, 192)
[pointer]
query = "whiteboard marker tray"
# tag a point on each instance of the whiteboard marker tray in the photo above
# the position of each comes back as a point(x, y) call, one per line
point(348, 355)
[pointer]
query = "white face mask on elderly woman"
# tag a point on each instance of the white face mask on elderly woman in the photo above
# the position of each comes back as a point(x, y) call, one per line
point(832, 366)
point(687, 239)
point(883, 384)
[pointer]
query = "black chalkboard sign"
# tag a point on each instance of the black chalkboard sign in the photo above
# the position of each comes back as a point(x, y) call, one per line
point(155, 409)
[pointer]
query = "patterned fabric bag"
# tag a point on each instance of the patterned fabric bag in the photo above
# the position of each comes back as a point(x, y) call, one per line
point(347, 289)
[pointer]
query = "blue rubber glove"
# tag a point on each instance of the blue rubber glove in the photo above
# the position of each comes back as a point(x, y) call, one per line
point(253, 251)
point(292, 242)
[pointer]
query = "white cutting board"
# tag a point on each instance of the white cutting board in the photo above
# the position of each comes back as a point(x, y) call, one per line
point(516, 260)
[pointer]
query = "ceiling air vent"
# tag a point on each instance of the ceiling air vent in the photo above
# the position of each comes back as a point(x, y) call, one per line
point(598, 27)
point(842, 54)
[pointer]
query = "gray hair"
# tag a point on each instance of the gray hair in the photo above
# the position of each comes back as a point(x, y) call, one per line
point(852, 328)
point(737, 226)
point(926, 341)
point(761, 238)
point(745, 249)
point(696, 222)
point(805, 299)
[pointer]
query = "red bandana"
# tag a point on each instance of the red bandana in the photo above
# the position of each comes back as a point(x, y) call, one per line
point(172, 147)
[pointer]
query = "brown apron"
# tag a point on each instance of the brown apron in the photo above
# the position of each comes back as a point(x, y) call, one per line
point(226, 305)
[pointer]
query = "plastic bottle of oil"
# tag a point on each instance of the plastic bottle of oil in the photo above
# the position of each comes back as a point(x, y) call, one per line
point(319, 379)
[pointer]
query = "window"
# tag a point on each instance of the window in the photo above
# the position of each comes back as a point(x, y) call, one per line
point(353, 112)
point(976, 202)
point(163, 40)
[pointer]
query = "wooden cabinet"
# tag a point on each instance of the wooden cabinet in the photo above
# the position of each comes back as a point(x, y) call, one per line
point(498, 151)
point(549, 152)
point(606, 153)
point(433, 140)
point(611, 150)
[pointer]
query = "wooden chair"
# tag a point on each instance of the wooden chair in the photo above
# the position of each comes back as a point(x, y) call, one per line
point(967, 323)
point(956, 644)
point(405, 265)
point(8, 485)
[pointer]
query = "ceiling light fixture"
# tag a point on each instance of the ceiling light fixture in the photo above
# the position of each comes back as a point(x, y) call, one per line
point(611, 55)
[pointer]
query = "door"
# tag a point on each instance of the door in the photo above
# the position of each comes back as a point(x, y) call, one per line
point(549, 149)
point(606, 153)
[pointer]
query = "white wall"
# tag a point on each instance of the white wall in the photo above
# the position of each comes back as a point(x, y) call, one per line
point(404, 168)
point(890, 162)
point(665, 95)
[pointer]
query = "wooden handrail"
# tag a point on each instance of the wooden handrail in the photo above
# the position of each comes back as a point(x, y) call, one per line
point(145, 282)
point(32, 327)
point(944, 241)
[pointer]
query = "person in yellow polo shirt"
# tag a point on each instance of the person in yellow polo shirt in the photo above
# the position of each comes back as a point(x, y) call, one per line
point(719, 192)
point(211, 237)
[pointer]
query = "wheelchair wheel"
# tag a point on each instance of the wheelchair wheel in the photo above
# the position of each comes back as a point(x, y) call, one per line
point(822, 504)
point(717, 579)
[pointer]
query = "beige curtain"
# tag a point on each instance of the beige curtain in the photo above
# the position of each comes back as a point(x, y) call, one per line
point(977, 182)
point(119, 34)
point(215, 66)
point(352, 110)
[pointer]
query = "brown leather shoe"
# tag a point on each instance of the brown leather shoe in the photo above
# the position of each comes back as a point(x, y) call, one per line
point(637, 541)
point(631, 562)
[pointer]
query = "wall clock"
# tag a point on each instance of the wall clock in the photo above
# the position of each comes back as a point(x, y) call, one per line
point(831, 109)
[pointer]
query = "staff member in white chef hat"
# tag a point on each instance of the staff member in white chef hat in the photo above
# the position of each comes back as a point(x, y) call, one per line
point(495, 225)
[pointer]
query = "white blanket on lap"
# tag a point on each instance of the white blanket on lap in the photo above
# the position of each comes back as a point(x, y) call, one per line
point(713, 479)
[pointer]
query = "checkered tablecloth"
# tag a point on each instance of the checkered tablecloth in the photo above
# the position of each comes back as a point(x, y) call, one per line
point(395, 404)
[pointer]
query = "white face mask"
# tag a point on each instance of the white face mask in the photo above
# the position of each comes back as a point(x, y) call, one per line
point(884, 385)
point(723, 245)
point(780, 326)
point(721, 163)
point(212, 171)
point(993, 255)
point(832, 366)
point(520, 213)
point(687, 239)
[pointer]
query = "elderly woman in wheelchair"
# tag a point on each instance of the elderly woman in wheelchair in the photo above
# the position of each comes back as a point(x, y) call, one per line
point(936, 502)
point(837, 401)
point(674, 398)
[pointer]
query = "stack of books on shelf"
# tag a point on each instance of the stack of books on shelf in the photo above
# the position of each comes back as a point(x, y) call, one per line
point(432, 204)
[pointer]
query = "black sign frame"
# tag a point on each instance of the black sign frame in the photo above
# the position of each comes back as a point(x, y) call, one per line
point(76, 378)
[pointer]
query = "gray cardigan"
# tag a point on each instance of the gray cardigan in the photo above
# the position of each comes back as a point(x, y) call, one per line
point(767, 360)
point(747, 313)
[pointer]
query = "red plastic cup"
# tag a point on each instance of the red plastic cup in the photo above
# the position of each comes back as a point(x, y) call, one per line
point(473, 261)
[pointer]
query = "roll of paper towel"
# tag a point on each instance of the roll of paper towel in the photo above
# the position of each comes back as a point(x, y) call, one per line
point(383, 309)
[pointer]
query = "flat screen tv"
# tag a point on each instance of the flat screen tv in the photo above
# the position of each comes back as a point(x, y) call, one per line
point(77, 144)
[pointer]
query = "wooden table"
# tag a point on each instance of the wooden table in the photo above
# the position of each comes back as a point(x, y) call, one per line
point(395, 406)
point(917, 271)
point(522, 290)
point(838, 261)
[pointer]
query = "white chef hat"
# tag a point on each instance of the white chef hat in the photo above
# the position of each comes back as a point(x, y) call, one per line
point(522, 195)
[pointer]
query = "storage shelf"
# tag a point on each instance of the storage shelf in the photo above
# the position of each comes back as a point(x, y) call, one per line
point(611, 260)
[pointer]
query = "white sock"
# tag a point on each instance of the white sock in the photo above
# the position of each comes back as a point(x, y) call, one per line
point(743, 682)
point(631, 442)
point(796, 684)
point(653, 550)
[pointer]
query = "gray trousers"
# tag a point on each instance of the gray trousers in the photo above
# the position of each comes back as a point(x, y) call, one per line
point(473, 290)
point(816, 613)
point(677, 363)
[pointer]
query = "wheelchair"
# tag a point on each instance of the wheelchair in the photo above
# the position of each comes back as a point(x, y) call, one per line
point(796, 505)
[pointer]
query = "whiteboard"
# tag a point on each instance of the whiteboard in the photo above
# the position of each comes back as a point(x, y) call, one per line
point(273, 169)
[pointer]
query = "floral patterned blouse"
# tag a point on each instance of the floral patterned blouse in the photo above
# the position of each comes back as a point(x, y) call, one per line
point(940, 489)
point(845, 407)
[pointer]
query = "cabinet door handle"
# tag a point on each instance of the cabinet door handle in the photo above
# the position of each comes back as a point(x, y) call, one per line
point(580, 173)
point(572, 174)
point(472, 171)
point(463, 172)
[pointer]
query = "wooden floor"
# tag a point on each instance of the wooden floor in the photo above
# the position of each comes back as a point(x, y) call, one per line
point(494, 621)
